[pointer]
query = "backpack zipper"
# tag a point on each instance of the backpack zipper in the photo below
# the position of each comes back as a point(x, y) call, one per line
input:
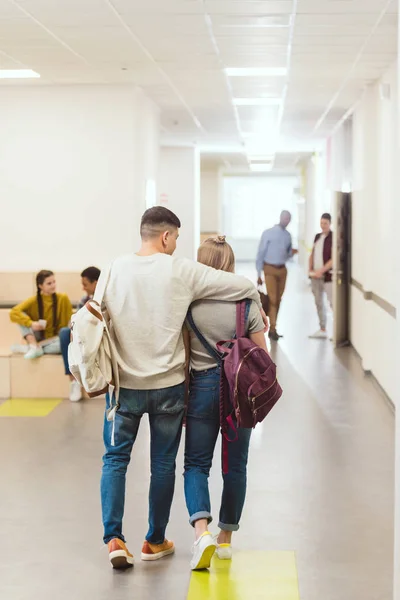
point(240, 366)
point(255, 410)
point(254, 398)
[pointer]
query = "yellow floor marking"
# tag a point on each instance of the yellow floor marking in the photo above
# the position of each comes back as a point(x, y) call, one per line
point(249, 576)
point(28, 407)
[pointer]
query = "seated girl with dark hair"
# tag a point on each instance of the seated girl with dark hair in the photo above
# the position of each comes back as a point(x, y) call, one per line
point(41, 317)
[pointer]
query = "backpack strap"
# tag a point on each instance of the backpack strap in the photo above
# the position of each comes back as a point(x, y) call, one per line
point(242, 314)
point(114, 387)
point(102, 284)
point(211, 351)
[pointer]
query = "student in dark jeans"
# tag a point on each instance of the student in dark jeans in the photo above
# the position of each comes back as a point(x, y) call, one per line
point(90, 277)
point(216, 321)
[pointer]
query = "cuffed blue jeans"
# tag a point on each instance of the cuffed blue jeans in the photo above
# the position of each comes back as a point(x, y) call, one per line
point(65, 337)
point(202, 428)
point(165, 408)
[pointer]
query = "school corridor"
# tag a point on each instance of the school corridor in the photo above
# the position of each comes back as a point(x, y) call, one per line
point(318, 521)
point(248, 136)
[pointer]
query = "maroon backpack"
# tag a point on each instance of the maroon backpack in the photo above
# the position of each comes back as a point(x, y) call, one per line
point(249, 387)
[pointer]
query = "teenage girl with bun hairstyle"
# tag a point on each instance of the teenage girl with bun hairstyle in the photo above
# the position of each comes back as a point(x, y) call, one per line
point(41, 317)
point(216, 321)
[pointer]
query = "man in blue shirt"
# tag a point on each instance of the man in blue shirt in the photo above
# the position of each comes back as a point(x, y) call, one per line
point(274, 251)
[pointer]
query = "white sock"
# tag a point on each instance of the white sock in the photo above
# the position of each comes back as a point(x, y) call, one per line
point(32, 346)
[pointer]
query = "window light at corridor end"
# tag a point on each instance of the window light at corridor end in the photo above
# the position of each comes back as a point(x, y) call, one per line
point(18, 74)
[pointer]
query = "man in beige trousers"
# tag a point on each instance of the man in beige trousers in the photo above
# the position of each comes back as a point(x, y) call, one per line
point(273, 253)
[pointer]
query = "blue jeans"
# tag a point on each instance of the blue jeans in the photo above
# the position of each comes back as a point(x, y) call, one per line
point(51, 347)
point(165, 408)
point(202, 428)
point(65, 337)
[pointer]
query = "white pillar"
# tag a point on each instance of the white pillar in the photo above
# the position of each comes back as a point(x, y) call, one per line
point(309, 214)
point(396, 593)
point(146, 163)
point(179, 190)
point(211, 200)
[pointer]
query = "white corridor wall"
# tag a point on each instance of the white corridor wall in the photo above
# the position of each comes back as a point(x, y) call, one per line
point(374, 244)
point(73, 165)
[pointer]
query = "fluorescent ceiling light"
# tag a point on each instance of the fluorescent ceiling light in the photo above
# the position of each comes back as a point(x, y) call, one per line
point(261, 158)
point(267, 132)
point(257, 72)
point(257, 101)
point(261, 168)
point(257, 26)
point(18, 74)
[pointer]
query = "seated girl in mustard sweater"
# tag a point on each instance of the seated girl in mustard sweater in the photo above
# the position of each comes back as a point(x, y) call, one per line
point(42, 316)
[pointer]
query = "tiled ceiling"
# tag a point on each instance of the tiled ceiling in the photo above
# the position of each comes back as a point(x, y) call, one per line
point(176, 50)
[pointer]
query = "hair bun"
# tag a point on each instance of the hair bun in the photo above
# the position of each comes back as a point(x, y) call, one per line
point(221, 239)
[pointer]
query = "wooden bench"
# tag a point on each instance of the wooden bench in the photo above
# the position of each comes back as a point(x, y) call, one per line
point(20, 378)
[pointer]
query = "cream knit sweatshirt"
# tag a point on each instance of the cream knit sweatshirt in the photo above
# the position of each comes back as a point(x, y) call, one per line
point(147, 298)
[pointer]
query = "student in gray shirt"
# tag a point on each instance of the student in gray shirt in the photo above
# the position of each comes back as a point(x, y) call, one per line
point(216, 321)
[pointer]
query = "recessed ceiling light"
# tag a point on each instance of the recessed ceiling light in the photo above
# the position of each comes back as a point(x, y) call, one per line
point(261, 168)
point(266, 130)
point(18, 74)
point(257, 101)
point(257, 72)
point(254, 158)
point(257, 22)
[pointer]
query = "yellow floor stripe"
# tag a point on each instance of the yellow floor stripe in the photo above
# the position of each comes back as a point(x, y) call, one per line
point(249, 576)
point(28, 407)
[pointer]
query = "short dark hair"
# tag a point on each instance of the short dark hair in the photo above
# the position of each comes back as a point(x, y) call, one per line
point(156, 220)
point(91, 273)
point(327, 217)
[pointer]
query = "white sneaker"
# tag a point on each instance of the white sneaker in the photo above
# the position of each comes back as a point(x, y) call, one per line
point(19, 349)
point(203, 551)
point(224, 551)
point(319, 335)
point(34, 352)
point(75, 392)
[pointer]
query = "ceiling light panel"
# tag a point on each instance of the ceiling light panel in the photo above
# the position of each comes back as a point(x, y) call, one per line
point(168, 25)
point(255, 59)
point(18, 74)
point(256, 72)
point(226, 22)
point(261, 159)
point(257, 101)
point(266, 38)
point(243, 87)
point(154, 7)
point(339, 7)
point(255, 7)
point(258, 115)
point(259, 168)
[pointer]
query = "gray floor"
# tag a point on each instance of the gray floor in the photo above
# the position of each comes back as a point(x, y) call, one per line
point(320, 483)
